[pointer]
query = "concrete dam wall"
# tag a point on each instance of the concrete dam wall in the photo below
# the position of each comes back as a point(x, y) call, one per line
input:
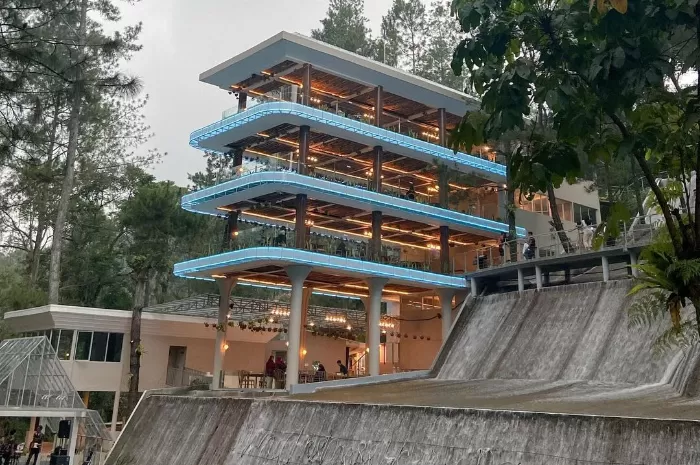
point(572, 343)
point(574, 333)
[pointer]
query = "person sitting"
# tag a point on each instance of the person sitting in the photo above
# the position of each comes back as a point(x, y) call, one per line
point(320, 374)
point(342, 368)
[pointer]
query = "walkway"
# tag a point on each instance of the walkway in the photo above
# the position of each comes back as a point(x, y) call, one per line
point(551, 257)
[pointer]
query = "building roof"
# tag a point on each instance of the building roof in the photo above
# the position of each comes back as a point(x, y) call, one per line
point(32, 379)
point(168, 318)
point(348, 74)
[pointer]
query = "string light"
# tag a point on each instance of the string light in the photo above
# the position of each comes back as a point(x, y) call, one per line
point(279, 313)
point(336, 319)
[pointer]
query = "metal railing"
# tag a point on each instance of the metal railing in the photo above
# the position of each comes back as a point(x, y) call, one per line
point(282, 237)
point(185, 377)
point(332, 174)
point(637, 233)
point(400, 127)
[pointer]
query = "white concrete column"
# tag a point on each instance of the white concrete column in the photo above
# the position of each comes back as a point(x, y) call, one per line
point(225, 286)
point(446, 296)
point(374, 313)
point(633, 263)
point(115, 410)
point(538, 277)
point(474, 287)
point(521, 280)
point(606, 268)
point(73, 440)
point(297, 275)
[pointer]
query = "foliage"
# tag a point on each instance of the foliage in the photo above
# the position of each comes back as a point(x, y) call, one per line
point(614, 79)
point(345, 26)
point(407, 22)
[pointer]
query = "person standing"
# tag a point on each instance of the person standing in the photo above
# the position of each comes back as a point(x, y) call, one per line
point(35, 445)
point(8, 447)
point(270, 372)
point(280, 372)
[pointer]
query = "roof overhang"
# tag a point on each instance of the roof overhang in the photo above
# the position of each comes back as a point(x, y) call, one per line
point(301, 49)
point(211, 200)
point(245, 259)
point(218, 136)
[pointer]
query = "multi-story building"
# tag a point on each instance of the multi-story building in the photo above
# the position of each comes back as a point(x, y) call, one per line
point(349, 186)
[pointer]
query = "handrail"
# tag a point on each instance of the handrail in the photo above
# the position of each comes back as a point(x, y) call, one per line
point(348, 124)
point(548, 245)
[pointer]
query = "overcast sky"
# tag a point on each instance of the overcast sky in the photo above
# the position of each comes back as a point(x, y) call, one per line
point(182, 38)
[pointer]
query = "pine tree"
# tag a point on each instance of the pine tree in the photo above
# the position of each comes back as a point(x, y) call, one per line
point(345, 26)
point(406, 25)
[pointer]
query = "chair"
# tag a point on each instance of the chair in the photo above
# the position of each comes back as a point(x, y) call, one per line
point(245, 381)
point(280, 379)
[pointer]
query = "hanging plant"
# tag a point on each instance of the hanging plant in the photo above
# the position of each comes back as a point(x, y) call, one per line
point(391, 334)
point(206, 325)
point(428, 338)
point(269, 330)
point(421, 338)
point(242, 325)
point(406, 336)
point(415, 337)
point(285, 330)
point(231, 324)
point(439, 316)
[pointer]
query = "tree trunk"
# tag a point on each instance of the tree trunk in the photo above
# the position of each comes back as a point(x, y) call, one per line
point(556, 220)
point(67, 188)
point(636, 189)
point(512, 231)
point(42, 216)
point(608, 186)
point(141, 292)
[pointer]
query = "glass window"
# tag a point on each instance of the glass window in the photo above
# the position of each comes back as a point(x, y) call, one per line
point(65, 343)
point(99, 347)
point(114, 347)
point(82, 349)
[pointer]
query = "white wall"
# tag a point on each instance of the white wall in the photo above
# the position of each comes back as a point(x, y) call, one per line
point(579, 193)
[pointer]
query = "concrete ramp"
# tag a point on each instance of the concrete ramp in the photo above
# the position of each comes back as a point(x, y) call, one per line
point(543, 378)
point(237, 431)
point(167, 430)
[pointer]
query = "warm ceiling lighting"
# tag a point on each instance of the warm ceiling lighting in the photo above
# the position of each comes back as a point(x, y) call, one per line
point(336, 319)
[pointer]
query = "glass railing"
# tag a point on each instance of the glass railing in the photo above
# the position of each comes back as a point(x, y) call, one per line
point(577, 241)
point(281, 237)
point(423, 140)
point(330, 174)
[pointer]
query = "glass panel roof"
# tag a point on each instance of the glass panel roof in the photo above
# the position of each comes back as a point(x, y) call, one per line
point(32, 378)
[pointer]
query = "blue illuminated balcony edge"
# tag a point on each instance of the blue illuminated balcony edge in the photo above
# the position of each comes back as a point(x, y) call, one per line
point(309, 184)
point(314, 259)
point(348, 124)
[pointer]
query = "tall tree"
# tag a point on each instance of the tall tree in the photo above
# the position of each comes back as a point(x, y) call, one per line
point(610, 73)
point(90, 70)
point(407, 21)
point(345, 26)
point(153, 220)
point(441, 35)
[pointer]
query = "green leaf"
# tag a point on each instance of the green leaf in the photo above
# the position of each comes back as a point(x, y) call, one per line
point(618, 58)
